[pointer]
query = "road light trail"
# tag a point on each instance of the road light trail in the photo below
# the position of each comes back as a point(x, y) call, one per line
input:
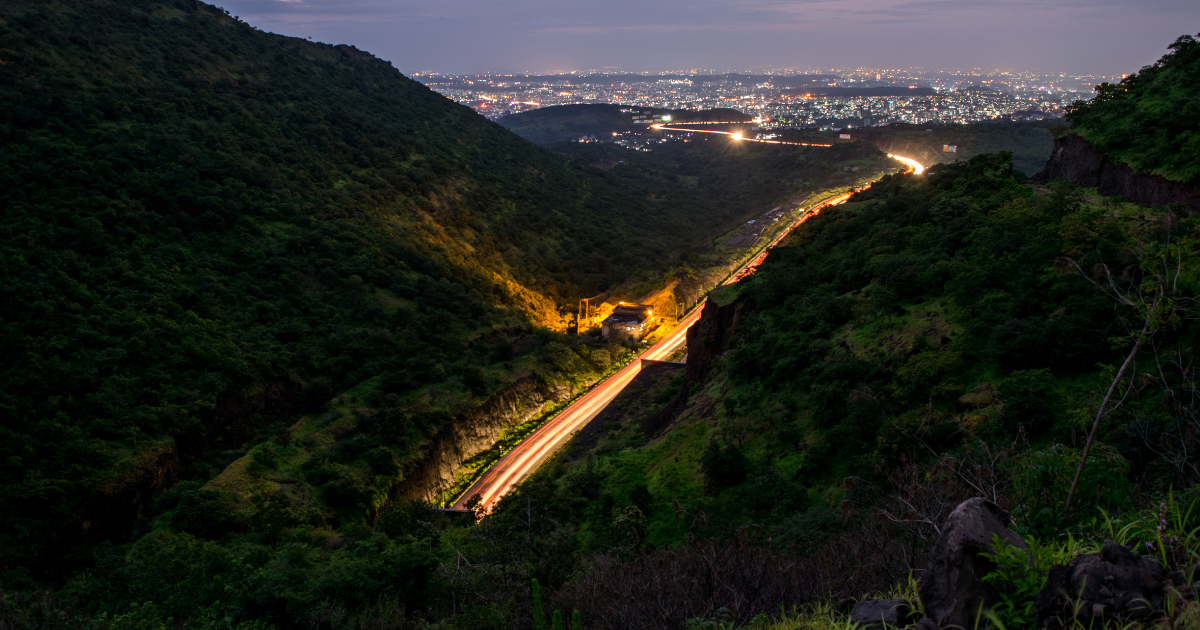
point(523, 460)
point(914, 166)
point(738, 136)
point(529, 454)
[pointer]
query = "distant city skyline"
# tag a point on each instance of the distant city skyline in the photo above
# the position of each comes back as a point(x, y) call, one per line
point(847, 98)
point(544, 36)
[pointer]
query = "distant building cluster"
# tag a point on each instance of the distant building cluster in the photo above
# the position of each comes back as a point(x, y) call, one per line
point(641, 141)
point(825, 100)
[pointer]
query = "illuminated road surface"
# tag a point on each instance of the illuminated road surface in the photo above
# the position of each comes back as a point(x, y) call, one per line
point(737, 136)
point(523, 460)
point(528, 455)
point(913, 165)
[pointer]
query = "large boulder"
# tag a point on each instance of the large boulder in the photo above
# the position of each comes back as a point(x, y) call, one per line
point(952, 588)
point(1113, 585)
point(880, 613)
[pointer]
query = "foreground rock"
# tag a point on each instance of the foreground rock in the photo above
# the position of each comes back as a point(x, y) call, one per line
point(1113, 585)
point(875, 613)
point(952, 588)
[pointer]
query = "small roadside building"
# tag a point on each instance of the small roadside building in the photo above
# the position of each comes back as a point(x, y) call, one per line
point(628, 322)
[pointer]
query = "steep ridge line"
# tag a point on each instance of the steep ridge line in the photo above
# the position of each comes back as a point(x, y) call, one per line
point(521, 462)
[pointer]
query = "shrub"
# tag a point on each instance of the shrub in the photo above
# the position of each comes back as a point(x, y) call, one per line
point(1016, 581)
point(347, 490)
point(1042, 477)
point(724, 466)
point(602, 359)
point(640, 496)
point(263, 459)
point(204, 513)
point(383, 461)
point(1029, 401)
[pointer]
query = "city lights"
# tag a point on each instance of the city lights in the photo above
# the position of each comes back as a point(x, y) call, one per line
point(835, 99)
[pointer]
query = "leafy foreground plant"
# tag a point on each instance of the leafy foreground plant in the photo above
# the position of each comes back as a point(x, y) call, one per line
point(1018, 582)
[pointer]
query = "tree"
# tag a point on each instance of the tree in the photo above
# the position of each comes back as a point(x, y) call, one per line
point(1153, 287)
point(539, 615)
point(724, 466)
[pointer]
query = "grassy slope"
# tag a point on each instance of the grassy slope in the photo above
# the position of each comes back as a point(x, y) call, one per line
point(1150, 119)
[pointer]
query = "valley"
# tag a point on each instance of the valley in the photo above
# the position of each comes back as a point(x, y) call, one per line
point(291, 340)
point(525, 458)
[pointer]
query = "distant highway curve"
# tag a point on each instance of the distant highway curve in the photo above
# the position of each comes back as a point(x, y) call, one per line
point(522, 461)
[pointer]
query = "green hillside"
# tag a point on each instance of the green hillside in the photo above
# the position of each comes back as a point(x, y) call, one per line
point(245, 280)
point(926, 327)
point(739, 177)
point(210, 230)
point(1150, 119)
point(212, 233)
point(569, 122)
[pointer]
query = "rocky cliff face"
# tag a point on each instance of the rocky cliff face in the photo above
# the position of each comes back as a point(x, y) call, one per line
point(707, 340)
point(477, 432)
point(1076, 160)
point(129, 494)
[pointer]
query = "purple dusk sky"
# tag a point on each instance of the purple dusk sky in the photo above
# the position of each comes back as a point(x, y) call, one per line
point(476, 36)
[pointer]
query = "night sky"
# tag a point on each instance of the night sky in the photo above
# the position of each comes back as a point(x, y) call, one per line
point(476, 36)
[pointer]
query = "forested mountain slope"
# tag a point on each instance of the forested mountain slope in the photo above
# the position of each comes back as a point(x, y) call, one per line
point(1149, 120)
point(208, 229)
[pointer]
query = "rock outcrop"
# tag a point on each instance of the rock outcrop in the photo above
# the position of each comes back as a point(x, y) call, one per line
point(476, 432)
point(129, 493)
point(880, 613)
point(1113, 585)
point(952, 589)
point(1075, 159)
point(707, 340)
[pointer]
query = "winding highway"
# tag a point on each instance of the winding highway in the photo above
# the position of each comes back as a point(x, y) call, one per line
point(523, 460)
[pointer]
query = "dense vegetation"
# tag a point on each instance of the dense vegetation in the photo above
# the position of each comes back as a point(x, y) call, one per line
point(925, 307)
point(927, 314)
point(922, 330)
point(932, 308)
point(730, 177)
point(566, 123)
point(1150, 119)
point(210, 229)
